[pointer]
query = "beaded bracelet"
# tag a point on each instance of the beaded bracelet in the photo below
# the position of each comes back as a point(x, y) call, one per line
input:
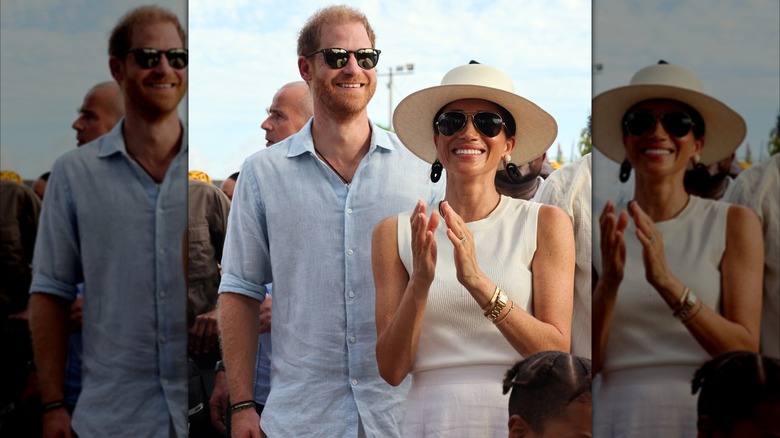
point(241, 406)
point(53, 405)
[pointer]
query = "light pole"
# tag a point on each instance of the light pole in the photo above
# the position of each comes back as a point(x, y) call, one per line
point(405, 69)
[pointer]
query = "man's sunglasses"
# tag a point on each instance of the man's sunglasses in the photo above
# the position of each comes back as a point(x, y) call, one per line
point(338, 58)
point(451, 122)
point(147, 58)
point(675, 123)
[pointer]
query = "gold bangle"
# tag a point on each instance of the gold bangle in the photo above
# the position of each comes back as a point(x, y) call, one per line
point(506, 315)
point(696, 312)
point(500, 304)
point(683, 296)
point(492, 301)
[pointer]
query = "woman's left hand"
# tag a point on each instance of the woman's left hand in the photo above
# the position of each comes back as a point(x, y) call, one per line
point(657, 270)
point(468, 272)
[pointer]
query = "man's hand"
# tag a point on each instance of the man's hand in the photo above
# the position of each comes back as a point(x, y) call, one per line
point(203, 333)
point(218, 403)
point(265, 315)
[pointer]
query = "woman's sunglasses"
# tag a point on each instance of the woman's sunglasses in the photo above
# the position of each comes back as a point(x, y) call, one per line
point(147, 58)
point(338, 58)
point(675, 123)
point(487, 123)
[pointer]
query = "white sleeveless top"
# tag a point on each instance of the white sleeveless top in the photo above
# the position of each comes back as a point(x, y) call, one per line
point(454, 330)
point(644, 331)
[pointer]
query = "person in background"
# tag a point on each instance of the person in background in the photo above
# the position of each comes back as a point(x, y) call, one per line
point(302, 214)
point(102, 108)
point(550, 396)
point(290, 109)
point(20, 208)
point(757, 188)
point(524, 183)
point(127, 188)
point(570, 189)
point(39, 186)
point(228, 185)
point(739, 396)
point(712, 181)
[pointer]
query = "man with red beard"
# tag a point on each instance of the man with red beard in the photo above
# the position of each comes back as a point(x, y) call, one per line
point(115, 219)
point(302, 216)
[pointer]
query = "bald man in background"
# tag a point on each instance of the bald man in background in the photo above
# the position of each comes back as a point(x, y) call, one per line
point(102, 108)
point(290, 109)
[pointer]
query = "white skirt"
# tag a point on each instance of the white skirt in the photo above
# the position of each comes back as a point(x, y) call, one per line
point(463, 401)
point(645, 402)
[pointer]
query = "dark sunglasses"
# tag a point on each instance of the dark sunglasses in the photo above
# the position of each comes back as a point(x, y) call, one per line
point(451, 122)
point(147, 58)
point(338, 58)
point(675, 123)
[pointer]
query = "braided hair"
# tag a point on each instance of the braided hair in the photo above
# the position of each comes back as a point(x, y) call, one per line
point(544, 384)
point(733, 385)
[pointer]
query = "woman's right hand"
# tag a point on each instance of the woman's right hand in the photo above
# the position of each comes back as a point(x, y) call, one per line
point(613, 244)
point(423, 244)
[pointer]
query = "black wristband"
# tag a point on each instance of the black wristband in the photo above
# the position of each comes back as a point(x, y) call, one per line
point(53, 405)
point(241, 406)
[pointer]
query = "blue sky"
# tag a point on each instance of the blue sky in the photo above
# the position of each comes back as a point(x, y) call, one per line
point(51, 53)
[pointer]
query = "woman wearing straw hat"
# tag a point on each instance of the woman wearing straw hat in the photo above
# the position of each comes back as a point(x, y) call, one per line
point(680, 281)
point(465, 291)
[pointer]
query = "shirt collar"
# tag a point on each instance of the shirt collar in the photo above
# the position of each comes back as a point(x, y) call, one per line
point(303, 142)
point(113, 142)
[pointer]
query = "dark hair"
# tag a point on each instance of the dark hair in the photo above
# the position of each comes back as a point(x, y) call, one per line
point(234, 176)
point(506, 116)
point(731, 387)
point(309, 37)
point(698, 121)
point(45, 176)
point(122, 35)
point(544, 384)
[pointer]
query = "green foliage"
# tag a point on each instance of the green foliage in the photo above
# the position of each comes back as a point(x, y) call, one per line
point(584, 145)
point(774, 138)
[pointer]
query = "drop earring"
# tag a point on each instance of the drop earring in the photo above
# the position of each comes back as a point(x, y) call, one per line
point(436, 169)
point(511, 169)
point(625, 171)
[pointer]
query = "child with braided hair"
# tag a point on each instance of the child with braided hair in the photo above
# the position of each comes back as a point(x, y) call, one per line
point(739, 396)
point(551, 396)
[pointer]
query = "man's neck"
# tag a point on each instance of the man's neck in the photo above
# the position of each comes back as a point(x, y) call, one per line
point(343, 143)
point(153, 144)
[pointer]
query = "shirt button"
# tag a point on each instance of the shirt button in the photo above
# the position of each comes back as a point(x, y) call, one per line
point(163, 339)
point(349, 210)
point(162, 294)
point(352, 339)
point(159, 211)
point(162, 251)
point(350, 252)
point(351, 294)
point(164, 381)
point(354, 382)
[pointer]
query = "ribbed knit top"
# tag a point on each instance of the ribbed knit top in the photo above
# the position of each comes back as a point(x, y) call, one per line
point(454, 331)
point(644, 331)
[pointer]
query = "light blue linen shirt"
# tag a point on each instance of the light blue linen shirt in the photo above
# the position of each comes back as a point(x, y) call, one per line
point(293, 222)
point(107, 223)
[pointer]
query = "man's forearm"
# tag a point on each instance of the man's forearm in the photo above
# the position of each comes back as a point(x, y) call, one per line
point(239, 327)
point(49, 317)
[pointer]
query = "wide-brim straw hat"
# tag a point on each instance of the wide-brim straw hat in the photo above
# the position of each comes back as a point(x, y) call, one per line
point(724, 129)
point(413, 117)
